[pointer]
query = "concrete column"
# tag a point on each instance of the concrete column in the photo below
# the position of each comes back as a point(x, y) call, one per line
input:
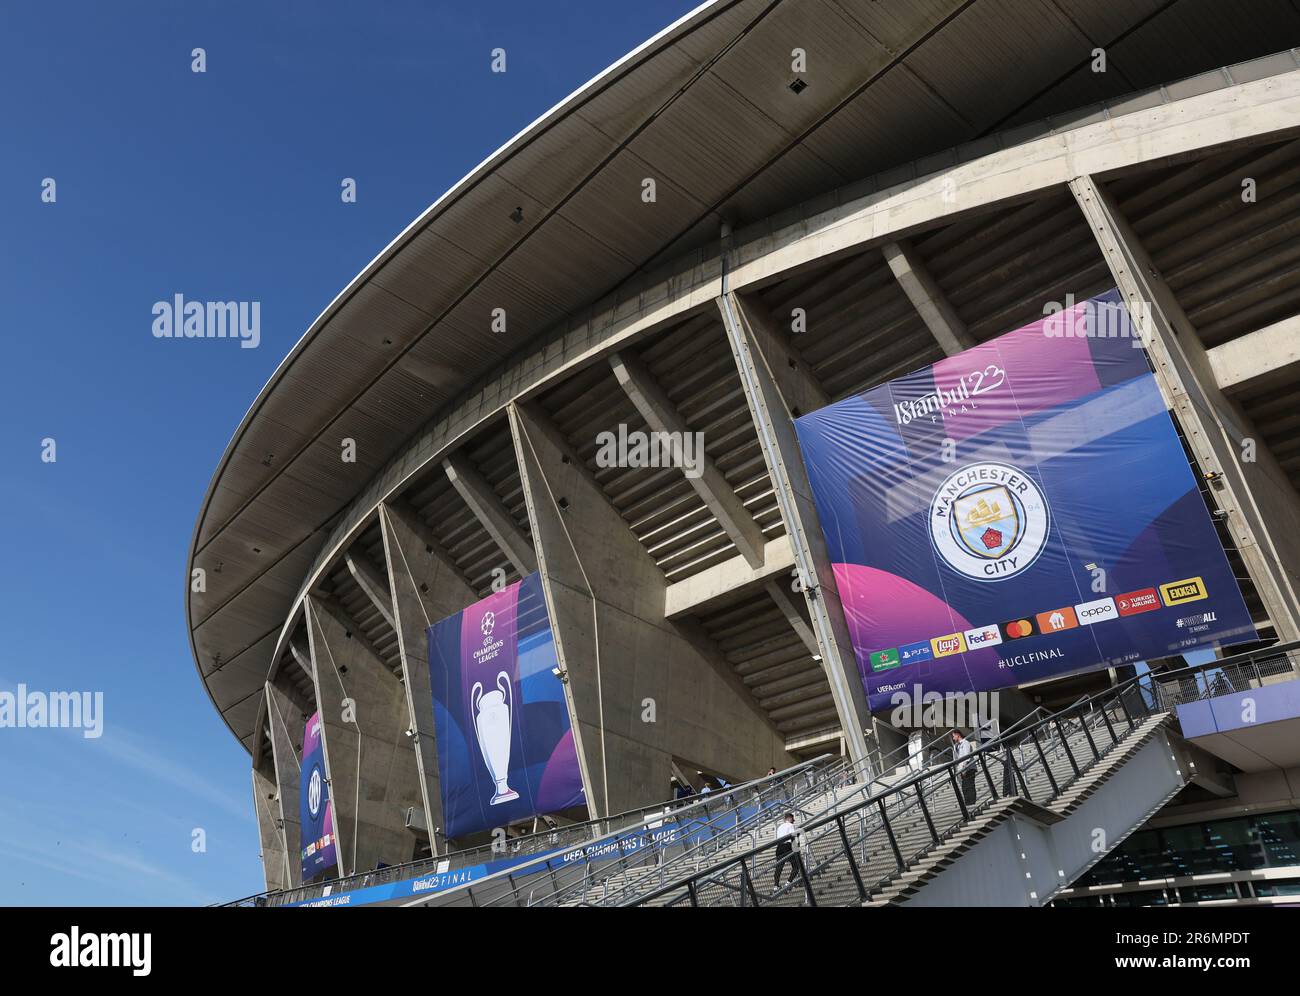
point(284, 716)
point(369, 760)
point(1262, 506)
point(620, 657)
point(923, 291)
point(426, 588)
point(777, 386)
point(270, 828)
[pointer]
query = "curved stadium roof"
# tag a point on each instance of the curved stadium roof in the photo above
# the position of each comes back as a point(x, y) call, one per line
point(707, 108)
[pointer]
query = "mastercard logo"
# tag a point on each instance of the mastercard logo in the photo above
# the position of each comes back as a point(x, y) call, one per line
point(1018, 628)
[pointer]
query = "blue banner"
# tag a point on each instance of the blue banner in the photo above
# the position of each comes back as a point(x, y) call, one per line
point(505, 746)
point(319, 850)
point(1021, 510)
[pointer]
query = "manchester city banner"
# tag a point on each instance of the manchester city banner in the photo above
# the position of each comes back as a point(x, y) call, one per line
point(1020, 510)
point(316, 815)
point(505, 746)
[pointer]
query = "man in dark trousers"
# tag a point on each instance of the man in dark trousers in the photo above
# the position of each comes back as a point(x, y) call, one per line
point(785, 851)
point(961, 752)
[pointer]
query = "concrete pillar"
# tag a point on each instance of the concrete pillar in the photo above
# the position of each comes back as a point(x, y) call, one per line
point(778, 387)
point(1262, 506)
point(620, 657)
point(426, 588)
point(270, 828)
point(369, 760)
point(284, 717)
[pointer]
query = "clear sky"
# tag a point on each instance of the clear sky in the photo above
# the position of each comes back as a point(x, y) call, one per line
point(223, 185)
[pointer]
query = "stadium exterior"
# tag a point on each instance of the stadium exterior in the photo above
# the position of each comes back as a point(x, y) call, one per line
point(769, 206)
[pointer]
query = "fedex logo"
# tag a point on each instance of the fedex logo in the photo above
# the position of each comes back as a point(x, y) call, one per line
point(984, 636)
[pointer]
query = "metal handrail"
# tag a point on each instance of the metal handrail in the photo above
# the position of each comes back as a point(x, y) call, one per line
point(1095, 709)
point(549, 840)
point(828, 778)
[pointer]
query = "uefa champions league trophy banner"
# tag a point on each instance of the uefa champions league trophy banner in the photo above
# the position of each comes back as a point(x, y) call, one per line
point(1020, 510)
point(317, 839)
point(505, 745)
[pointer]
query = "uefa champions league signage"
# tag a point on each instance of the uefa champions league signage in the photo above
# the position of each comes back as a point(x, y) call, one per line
point(1020, 510)
point(500, 716)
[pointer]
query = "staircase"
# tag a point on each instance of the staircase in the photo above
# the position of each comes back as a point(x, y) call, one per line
point(1052, 800)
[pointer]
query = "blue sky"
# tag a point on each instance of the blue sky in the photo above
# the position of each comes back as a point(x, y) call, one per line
point(218, 186)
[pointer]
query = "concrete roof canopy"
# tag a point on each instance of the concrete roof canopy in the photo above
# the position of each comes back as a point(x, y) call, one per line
point(552, 224)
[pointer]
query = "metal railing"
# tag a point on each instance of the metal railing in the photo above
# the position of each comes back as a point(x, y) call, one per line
point(542, 842)
point(837, 787)
point(854, 853)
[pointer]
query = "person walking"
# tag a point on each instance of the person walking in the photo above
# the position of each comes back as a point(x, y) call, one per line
point(961, 752)
point(785, 851)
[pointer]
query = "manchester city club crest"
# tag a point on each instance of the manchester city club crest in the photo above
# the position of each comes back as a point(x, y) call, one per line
point(989, 521)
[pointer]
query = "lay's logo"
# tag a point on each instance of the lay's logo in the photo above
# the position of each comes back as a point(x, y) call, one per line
point(946, 646)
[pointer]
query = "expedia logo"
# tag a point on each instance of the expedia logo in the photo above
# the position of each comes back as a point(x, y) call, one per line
point(1187, 590)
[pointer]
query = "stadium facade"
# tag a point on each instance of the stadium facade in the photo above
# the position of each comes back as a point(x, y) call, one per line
point(770, 206)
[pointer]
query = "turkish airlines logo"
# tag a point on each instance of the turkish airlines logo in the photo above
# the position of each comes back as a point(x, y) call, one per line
point(1133, 602)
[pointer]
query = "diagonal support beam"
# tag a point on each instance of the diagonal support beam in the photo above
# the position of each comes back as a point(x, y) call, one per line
point(662, 416)
point(371, 582)
point(302, 658)
point(491, 514)
point(927, 297)
point(771, 384)
point(1261, 505)
point(798, 621)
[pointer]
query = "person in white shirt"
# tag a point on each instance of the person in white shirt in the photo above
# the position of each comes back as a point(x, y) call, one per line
point(785, 852)
point(961, 751)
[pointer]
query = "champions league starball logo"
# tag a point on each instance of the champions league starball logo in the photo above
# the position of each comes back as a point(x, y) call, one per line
point(989, 521)
point(488, 624)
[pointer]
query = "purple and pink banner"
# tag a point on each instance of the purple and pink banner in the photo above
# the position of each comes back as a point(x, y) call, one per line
point(1021, 510)
point(505, 744)
point(316, 814)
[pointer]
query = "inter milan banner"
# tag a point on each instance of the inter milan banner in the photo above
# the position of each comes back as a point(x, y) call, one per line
point(505, 746)
point(1020, 510)
point(315, 812)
